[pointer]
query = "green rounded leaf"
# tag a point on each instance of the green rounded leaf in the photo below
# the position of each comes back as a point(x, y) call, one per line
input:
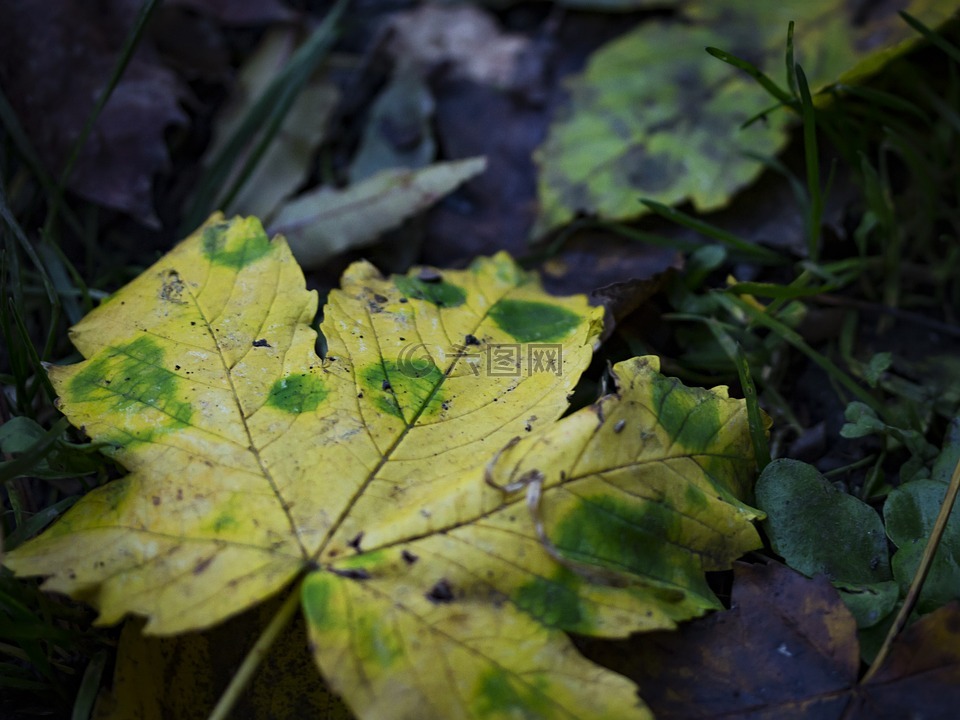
point(819, 529)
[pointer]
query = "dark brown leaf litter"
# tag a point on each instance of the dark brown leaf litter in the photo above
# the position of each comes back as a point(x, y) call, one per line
point(55, 60)
point(505, 122)
point(788, 649)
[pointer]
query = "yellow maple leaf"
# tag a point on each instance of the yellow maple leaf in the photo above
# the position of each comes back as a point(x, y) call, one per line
point(441, 558)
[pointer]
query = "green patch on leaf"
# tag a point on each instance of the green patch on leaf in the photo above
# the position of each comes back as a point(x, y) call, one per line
point(402, 393)
point(530, 321)
point(224, 521)
point(498, 697)
point(375, 640)
point(606, 531)
point(691, 416)
point(440, 293)
point(235, 245)
point(555, 601)
point(505, 269)
point(129, 377)
point(297, 393)
point(316, 600)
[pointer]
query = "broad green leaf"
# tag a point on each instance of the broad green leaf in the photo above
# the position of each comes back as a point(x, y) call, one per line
point(817, 528)
point(374, 474)
point(910, 513)
point(321, 223)
point(654, 116)
point(869, 603)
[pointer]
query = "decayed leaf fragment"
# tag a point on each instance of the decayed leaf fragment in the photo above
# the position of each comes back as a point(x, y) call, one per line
point(253, 461)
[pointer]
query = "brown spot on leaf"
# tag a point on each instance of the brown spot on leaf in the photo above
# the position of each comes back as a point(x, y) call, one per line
point(442, 592)
point(351, 573)
point(408, 557)
point(202, 565)
point(355, 543)
point(172, 288)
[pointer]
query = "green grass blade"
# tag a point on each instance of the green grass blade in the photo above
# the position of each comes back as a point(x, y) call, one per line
point(89, 687)
point(755, 252)
point(878, 98)
point(791, 63)
point(31, 355)
point(796, 340)
point(753, 71)
point(762, 115)
point(934, 37)
point(37, 522)
point(10, 122)
point(812, 157)
point(14, 229)
point(758, 430)
point(772, 290)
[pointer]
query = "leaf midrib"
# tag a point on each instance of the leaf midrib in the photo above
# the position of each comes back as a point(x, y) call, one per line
point(387, 454)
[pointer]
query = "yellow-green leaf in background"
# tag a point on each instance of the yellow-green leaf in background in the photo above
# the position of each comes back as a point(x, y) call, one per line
point(444, 526)
point(654, 116)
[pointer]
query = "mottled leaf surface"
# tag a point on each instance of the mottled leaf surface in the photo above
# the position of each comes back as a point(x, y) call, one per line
point(442, 557)
point(655, 116)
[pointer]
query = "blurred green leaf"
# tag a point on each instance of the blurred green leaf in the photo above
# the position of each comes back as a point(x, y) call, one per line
point(654, 116)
